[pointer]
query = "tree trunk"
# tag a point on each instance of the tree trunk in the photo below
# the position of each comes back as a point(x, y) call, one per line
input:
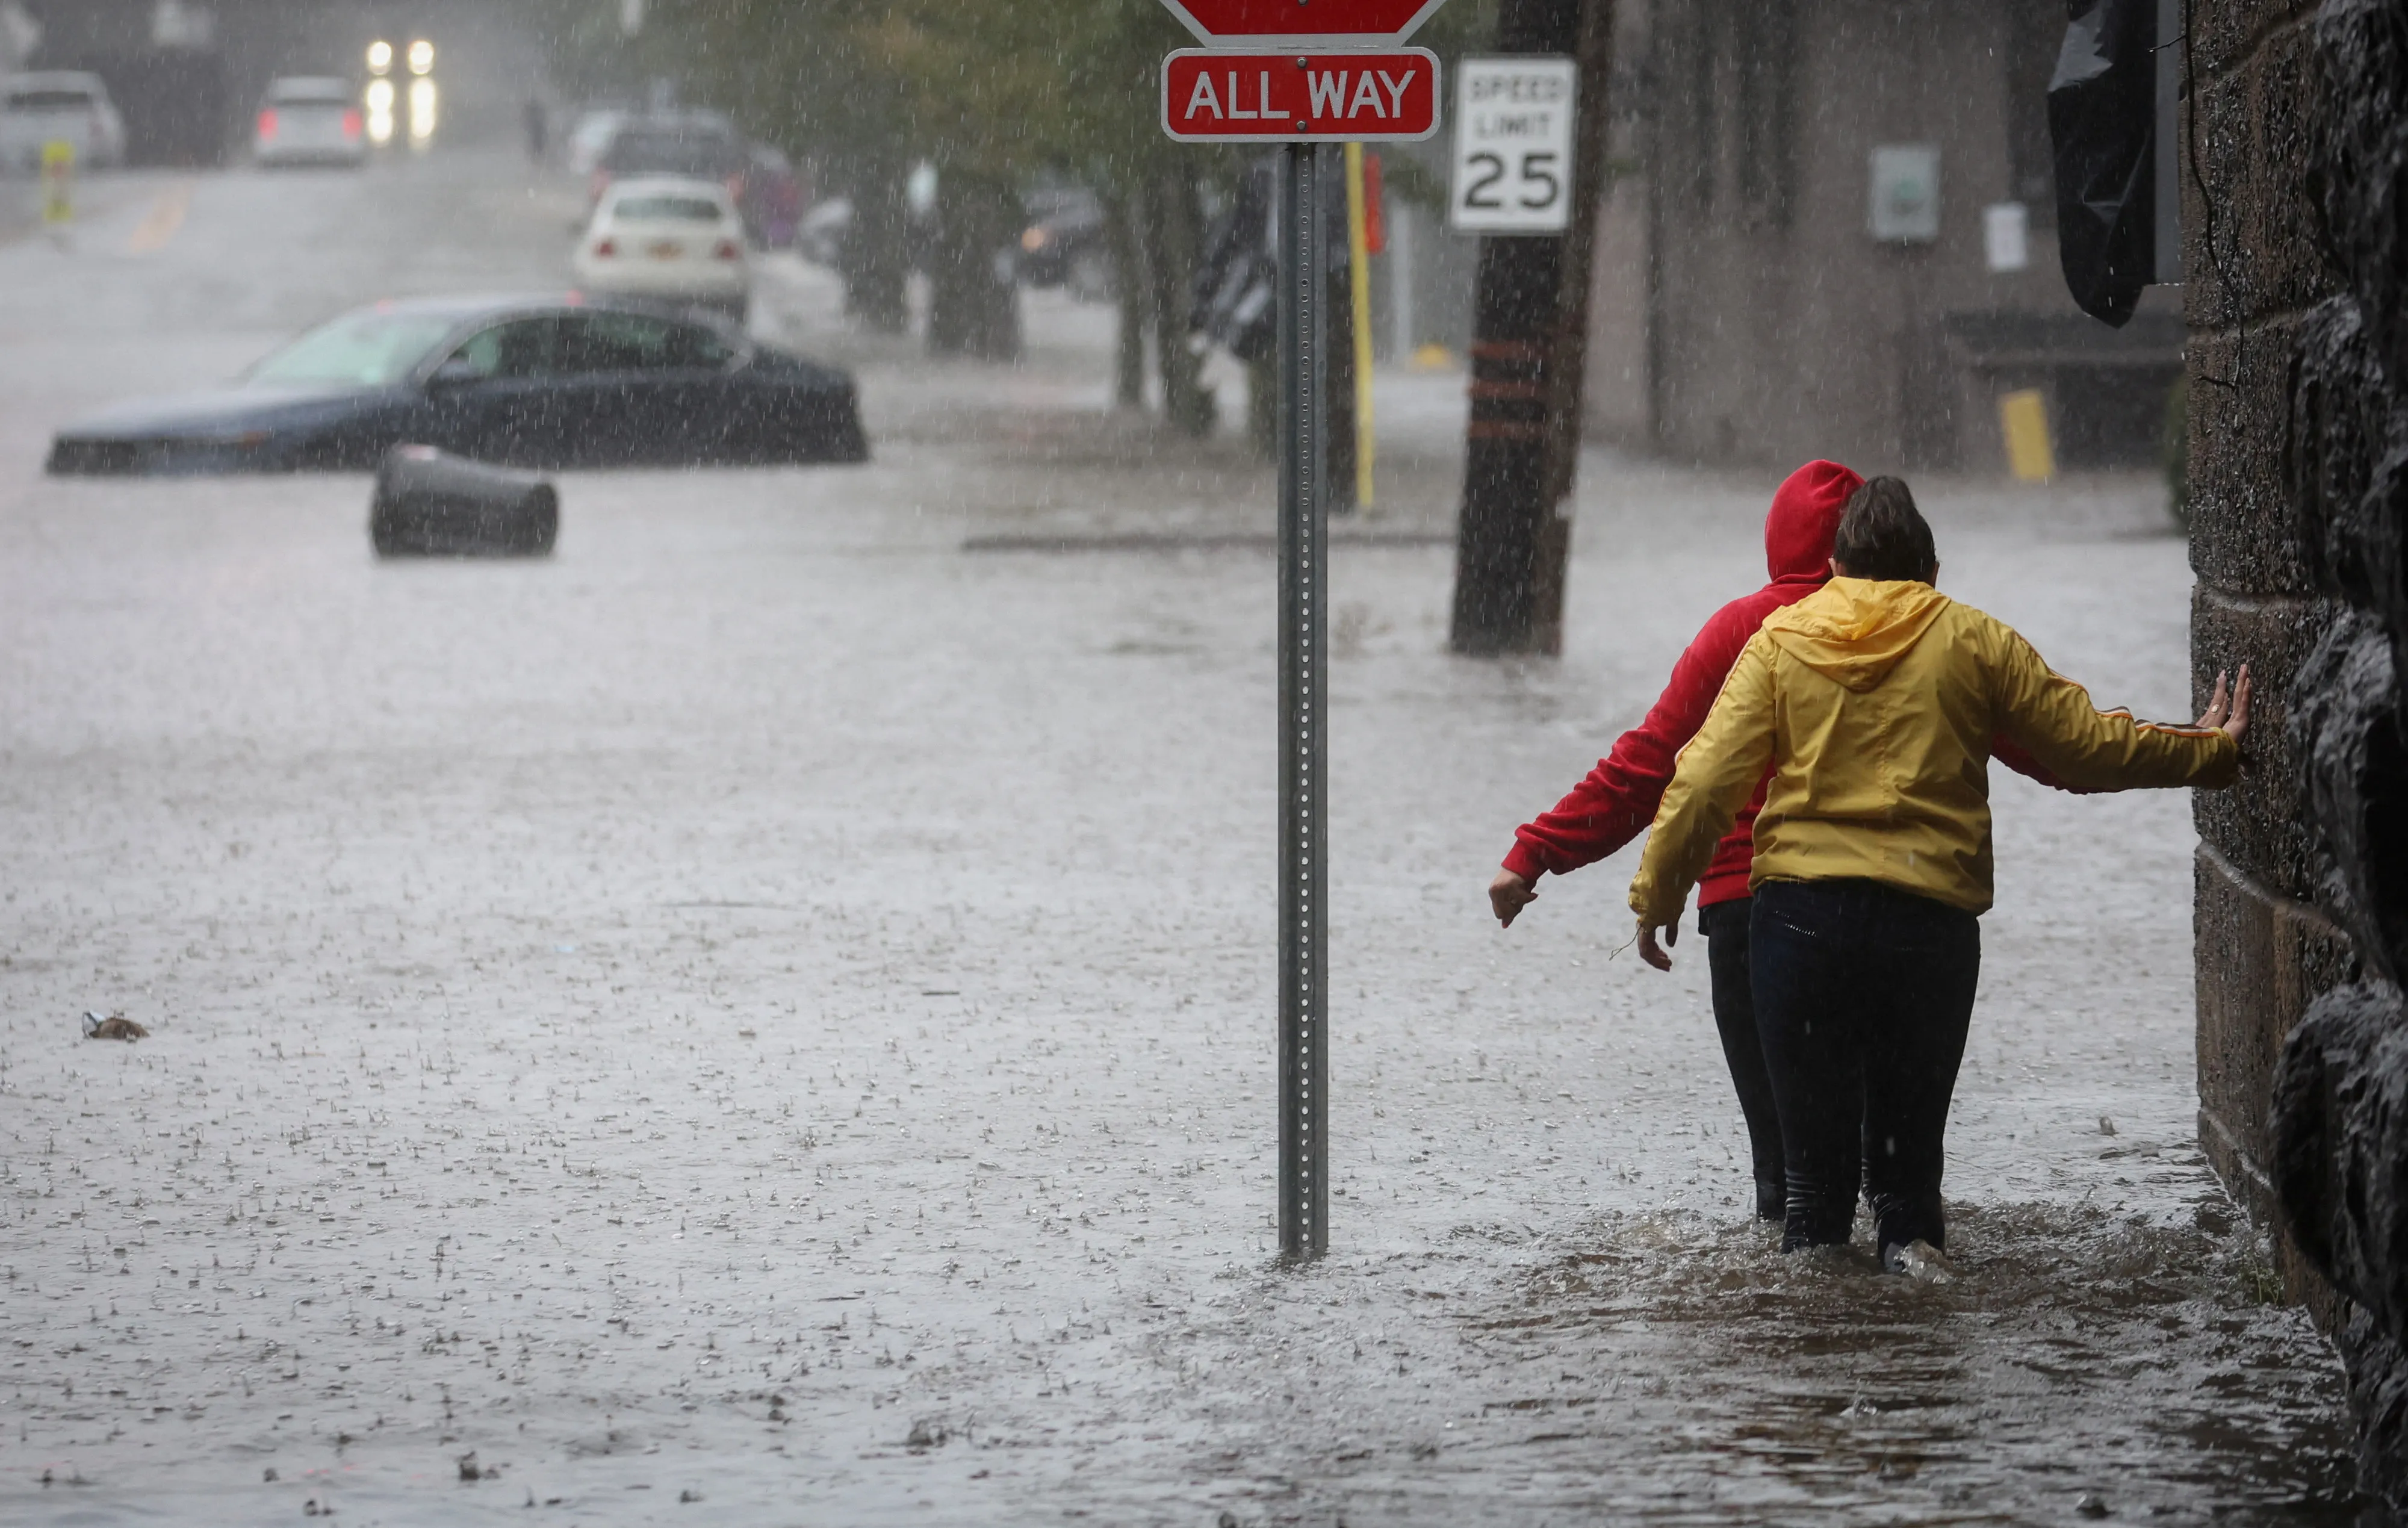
point(1132, 288)
point(973, 291)
point(876, 257)
point(1177, 229)
point(1529, 352)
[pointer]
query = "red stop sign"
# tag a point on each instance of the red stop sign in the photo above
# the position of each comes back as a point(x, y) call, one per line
point(1238, 23)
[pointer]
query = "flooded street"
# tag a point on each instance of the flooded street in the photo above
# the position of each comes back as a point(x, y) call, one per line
point(766, 1016)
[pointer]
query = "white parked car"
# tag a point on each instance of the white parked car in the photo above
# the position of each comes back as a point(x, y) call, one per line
point(58, 107)
point(676, 240)
point(310, 120)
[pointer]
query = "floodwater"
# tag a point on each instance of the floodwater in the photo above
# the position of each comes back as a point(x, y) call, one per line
point(764, 1016)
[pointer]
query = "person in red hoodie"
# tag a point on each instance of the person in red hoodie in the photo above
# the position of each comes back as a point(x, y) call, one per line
point(1618, 799)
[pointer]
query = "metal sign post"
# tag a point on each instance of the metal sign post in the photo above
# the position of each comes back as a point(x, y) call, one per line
point(1302, 101)
point(1304, 752)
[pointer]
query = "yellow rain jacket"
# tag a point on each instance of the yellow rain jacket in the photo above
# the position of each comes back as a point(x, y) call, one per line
point(1874, 704)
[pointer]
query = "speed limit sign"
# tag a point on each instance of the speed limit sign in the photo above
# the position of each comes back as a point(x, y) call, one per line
point(1513, 145)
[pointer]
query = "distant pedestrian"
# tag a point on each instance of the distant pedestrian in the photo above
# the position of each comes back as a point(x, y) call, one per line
point(1873, 702)
point(1618, 798)
point(539, 129)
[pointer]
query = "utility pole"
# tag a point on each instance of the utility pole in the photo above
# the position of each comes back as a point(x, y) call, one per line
point(1529, 351)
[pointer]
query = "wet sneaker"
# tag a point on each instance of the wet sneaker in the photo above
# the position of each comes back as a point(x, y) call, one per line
point(1920, 1261)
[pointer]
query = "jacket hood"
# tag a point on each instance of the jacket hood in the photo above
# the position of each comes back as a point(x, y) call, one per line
point(1855, 630)
point(1804, 518)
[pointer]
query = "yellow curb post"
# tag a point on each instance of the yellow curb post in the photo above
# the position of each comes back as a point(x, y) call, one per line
point(58, 181)
point(2023, 416)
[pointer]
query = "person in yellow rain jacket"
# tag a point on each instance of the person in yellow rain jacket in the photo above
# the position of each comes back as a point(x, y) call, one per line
point(1874, 702)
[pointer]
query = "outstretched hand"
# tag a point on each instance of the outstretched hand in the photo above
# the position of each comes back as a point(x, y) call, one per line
point(1508, 895)
point(2228, 713)
point(1651, 951)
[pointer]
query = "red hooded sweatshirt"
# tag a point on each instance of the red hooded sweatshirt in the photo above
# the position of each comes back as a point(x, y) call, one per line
point(1618, 799)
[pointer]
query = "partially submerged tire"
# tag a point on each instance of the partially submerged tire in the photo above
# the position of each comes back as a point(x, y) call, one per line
point(429, 504)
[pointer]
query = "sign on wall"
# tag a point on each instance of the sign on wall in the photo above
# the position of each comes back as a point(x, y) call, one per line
point(1513, 145)
point(1905, 193)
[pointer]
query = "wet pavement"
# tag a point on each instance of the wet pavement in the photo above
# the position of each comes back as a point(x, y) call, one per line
point(764, 1016)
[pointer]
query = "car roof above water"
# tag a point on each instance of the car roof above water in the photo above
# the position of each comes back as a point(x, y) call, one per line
point(464, 310)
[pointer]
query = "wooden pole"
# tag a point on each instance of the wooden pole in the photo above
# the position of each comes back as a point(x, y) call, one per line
point(1529, 353)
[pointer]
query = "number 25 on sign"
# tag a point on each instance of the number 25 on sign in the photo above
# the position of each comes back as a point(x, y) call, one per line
point(1513, 145)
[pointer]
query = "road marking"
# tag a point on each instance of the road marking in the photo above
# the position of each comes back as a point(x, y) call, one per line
point(166, 216)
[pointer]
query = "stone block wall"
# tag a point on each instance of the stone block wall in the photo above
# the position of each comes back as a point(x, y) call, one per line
point(2296, 217)
point(2251, 272)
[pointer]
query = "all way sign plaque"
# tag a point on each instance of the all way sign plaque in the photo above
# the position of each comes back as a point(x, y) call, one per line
point(1215, 95)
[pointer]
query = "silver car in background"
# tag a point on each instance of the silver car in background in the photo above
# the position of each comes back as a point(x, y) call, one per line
point(58, 107)
point(308, 120)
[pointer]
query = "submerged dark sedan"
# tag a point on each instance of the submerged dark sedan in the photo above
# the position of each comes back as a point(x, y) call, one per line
point(544, 383)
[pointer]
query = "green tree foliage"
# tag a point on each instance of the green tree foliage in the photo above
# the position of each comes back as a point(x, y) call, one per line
point(993, 93)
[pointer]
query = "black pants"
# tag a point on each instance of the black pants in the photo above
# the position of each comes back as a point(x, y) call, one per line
point(1863, 995)
point(1724, 925)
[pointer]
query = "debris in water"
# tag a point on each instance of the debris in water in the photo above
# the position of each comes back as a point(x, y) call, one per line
point(1922, 1261)
point(112, 1027)
point(2106, 1126)
point(468, 1470)
point(2092, 1504)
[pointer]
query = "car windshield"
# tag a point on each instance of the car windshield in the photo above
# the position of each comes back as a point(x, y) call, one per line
point(359, 350)
point(50, 100)
point(666, 209)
